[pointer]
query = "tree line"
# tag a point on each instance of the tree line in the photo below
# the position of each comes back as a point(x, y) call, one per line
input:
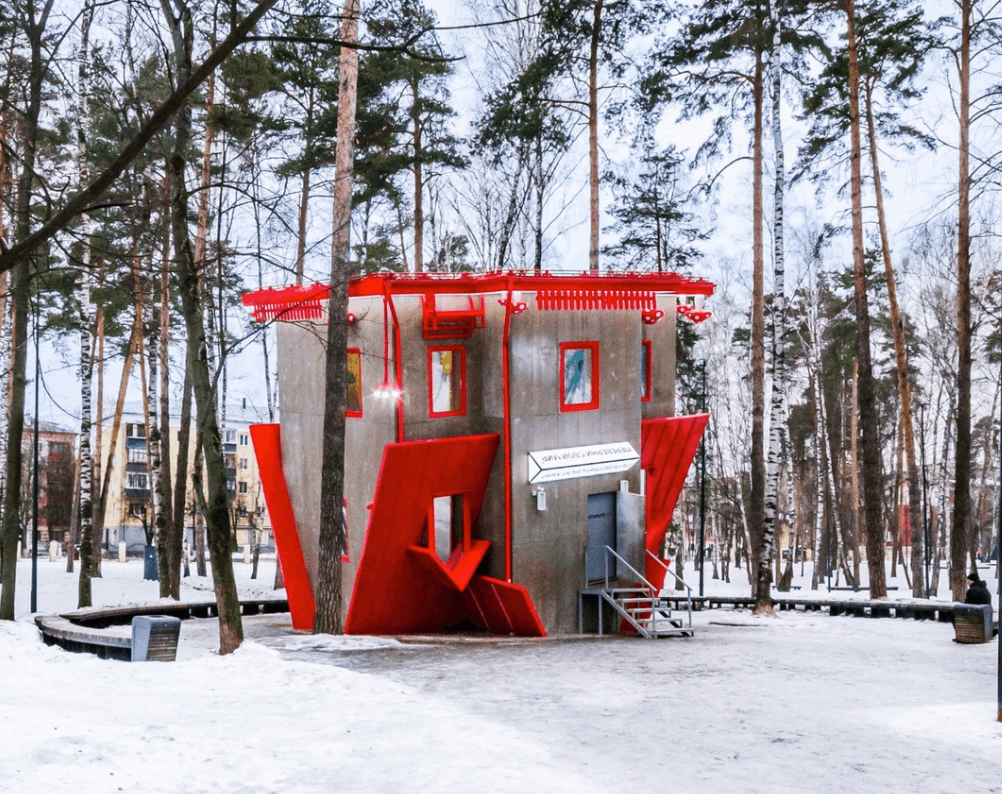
point(160, 157)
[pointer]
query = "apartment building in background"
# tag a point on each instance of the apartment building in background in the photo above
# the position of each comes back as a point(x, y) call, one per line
point(129, 510)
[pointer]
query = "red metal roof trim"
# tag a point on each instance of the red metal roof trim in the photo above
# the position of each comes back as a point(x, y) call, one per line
point(288, 303)
point(603, 299)
point(588, 290)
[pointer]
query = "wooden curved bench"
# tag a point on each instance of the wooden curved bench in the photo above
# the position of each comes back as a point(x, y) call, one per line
point(111, 633)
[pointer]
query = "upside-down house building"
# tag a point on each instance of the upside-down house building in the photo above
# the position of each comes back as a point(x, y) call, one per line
point(511, 443)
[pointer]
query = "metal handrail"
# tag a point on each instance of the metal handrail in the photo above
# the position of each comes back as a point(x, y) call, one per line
point(688, 590)
point(609, 550)
point(654, 592)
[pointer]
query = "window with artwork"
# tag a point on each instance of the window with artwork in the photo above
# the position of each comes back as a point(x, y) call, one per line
point(645, 371)
point(578, 376)
point(353, 406)
point(447, 381)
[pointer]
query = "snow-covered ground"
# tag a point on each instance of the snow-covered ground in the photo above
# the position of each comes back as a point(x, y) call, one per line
point(799, 703)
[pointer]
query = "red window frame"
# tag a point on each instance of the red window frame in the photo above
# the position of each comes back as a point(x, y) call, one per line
point(459, 359)
point(645, 396)
point(356, 414)
point(593, 403)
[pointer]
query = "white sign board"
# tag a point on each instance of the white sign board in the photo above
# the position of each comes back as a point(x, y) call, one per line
point(566, 464)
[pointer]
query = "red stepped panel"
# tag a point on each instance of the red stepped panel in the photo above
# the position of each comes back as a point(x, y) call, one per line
point(268, 450)
point(502, 608)
point(402, 587)
point(667, 449)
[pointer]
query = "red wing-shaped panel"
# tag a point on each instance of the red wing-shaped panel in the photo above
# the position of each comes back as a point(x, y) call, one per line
point(667, 449)
point(268, 450)
point(502, 608)
point(401, 586)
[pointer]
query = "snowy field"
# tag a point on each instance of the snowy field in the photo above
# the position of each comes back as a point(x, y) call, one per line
point(799, 703)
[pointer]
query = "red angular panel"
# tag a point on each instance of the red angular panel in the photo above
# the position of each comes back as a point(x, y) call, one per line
point(404, 590)
point(268, 450)
point(502, 608)
point(667, 449)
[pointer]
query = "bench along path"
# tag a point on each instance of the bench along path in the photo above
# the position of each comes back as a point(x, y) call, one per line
point(971, 621)
point(108, 631)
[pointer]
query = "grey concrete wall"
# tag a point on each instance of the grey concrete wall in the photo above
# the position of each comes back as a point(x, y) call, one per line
point(548, 546)
point(662, 337)
point(301, 351)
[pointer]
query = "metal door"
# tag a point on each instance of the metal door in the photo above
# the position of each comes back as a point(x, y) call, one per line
point(601, 533)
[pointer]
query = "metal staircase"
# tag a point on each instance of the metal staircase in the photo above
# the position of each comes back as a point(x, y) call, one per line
point(640, 606)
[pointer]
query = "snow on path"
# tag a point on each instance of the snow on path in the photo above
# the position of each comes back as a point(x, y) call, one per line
point(800, 703)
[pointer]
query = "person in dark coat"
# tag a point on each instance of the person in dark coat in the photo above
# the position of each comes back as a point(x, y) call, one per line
point(977, 592)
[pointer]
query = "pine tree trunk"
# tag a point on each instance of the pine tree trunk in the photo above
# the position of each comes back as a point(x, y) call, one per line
point(20, 293)
point(116, 423)
point(332, 542)
point(217, 517)
point(901, 364)
point(962, 458)
point(304, 193)
point(596, 32)
point(873, 526)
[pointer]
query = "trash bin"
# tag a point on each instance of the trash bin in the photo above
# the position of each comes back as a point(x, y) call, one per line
point(154, 638)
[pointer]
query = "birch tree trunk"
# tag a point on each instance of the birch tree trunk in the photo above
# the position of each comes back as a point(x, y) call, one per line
point(181, 482)
point(169, 557)
point(332, 541)
point(97, 531)
point(5, 370)
point(819, 462)
point(86, 359)
point(153, 449)
point(777, 418)
point(756, 506)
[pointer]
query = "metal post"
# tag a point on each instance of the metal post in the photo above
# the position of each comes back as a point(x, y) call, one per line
point(702, 493)
point(925, 513)
point(34, 487)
